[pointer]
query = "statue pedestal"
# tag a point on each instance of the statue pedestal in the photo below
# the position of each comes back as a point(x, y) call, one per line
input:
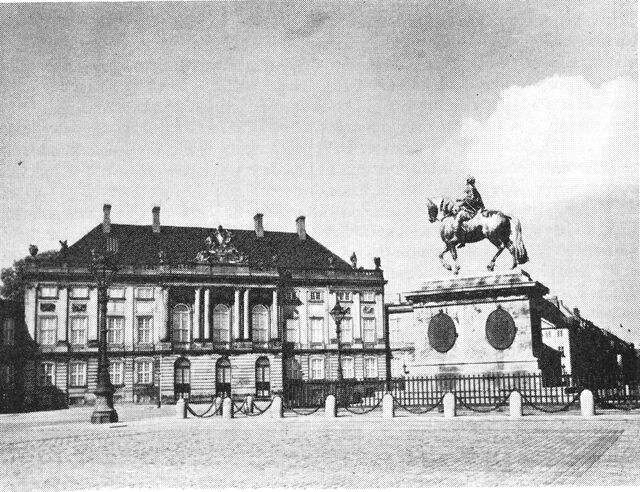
point(476, 325)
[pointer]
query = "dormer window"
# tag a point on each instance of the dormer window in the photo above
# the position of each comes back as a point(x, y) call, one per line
point(315, 296)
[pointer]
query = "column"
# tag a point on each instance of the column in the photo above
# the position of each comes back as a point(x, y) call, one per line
point(197, 335)
point(207, 313)
point(246, 314)
point(236, 314)
point(63, 319)
point(355, 318)
point(164, 314)
point(274, 315)
point(130, 321)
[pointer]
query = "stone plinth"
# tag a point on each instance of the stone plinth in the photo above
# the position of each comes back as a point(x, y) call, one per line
point(475, 325)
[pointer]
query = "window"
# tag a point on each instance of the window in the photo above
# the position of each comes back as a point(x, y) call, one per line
point(260, 323)
point(144, 329)
point(9, 331)
point(293, 328)
point(348, 371)
point(370, 367)
point(263, 377)
point(368, 296)
point(294, 369)
point(116, 371)
point(78, 374)
point(50, 291)
point(47, 331)
point(116, 293)
point(290, 296)
point(369, 330)
point(559, 333)
point(346, 330)
point(144, 293)
point(317, 368)
point(223, 377)
point(47, 374)
point(221, 322)
point(181, 323)
point(344, 296)
point(315, 296)
point(78, 292)
point(78, 330)
point(115, 329)
point(6, 376)
point(561, 350)
point(317, 330)
point(144, 371)
point(395, 332)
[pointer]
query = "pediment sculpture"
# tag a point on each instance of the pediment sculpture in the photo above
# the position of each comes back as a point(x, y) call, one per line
point(219, 248)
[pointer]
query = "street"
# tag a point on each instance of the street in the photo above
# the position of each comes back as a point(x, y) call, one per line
point(59, 450)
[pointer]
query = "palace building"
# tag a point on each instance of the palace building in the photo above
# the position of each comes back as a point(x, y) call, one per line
point(199, 311)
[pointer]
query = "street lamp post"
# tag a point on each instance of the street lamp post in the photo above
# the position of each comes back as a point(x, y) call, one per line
point(104, 270)
point(338, 313)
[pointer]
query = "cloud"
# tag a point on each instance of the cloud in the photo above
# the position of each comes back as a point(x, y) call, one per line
point(559, 139)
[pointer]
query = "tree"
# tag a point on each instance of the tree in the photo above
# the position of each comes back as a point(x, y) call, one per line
point(13, 277)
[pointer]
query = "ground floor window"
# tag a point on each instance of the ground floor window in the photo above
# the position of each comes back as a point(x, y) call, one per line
point(78, 374)
point(370, 367)
point(317, 368)
point(144, 372)
point(182, 378)
point(294, 369)
point(348, 368)
point(223, 377)
point(47, 374)
point(263, 377)
point(116, 371)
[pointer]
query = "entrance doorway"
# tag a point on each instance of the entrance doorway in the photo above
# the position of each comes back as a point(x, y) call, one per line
point(182, 379)
point(223, 377)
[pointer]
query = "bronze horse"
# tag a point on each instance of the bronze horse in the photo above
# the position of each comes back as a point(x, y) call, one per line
point(503, 232)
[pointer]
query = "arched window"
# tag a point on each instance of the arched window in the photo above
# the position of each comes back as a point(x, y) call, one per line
point(260, 323)
point(442, 332)
point(263, 377)
point(221, 323)
point(223, 377)
point(182, 378)
point(181, 323)
point(500, 329)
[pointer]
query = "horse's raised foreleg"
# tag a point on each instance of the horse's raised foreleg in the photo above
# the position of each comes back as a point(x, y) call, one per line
point(492, 263)
point(454, 255)
point(442, 260)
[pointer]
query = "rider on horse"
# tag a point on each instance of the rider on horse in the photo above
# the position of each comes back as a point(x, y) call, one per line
point(469, 205)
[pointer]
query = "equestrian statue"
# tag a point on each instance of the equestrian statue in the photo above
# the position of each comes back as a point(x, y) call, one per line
point(466, 220)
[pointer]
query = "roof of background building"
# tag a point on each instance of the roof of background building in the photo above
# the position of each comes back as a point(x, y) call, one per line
point(139, 245)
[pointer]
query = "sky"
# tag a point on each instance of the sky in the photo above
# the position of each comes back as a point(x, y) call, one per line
point(351, 114)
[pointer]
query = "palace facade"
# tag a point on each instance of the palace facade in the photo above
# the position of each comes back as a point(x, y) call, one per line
point(199, 311)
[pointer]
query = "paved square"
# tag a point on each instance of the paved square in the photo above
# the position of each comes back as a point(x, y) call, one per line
point(59, 450)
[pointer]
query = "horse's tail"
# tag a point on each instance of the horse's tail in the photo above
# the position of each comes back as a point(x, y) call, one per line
point(518, 243)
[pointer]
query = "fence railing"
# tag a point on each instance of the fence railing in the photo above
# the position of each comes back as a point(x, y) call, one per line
point(476, 390)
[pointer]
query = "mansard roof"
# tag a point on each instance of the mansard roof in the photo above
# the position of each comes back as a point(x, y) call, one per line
point(139, 245)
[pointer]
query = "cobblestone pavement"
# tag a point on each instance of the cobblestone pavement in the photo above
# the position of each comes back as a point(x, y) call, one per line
point(59, 450)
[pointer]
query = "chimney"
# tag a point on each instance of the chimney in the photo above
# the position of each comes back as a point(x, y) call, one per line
point(156, 219)
point(106, 222)
point(257, 222)
point(302, 233)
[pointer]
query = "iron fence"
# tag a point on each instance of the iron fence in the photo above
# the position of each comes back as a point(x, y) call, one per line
point(486, 390)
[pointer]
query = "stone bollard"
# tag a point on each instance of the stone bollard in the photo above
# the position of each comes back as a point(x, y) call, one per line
point(227, 408)
point(248, 404)
point(388, 409)
point(449, 402)
point(277, 411)
point(330, 410)
point(587, 404)
point(218, 405)
point(515, 405)
point(181, 409)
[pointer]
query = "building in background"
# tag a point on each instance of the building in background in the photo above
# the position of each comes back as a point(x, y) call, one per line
point(14, 351)
point(200, 311)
